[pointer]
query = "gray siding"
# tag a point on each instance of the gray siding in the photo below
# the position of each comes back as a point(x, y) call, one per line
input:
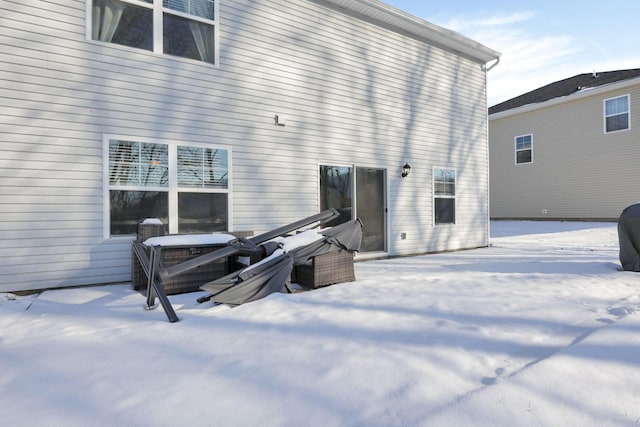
point(353, 93)
point(578, 171)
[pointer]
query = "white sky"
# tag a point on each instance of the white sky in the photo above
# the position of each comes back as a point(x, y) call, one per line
point(540, 41)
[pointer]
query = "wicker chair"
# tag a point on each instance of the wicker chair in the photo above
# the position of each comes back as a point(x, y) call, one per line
point(326, 269)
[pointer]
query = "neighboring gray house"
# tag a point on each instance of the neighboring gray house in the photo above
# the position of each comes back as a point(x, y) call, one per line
point(231, 115)
point(568, 150)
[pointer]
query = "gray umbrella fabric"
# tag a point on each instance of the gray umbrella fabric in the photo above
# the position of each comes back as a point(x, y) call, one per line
point(273, 274)
point(252, 283)
point(346, 236)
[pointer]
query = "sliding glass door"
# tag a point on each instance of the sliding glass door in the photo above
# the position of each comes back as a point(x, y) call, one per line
point(339, 185)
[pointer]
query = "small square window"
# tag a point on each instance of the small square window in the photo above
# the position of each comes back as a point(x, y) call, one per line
point(524, 149)
point(616, 114)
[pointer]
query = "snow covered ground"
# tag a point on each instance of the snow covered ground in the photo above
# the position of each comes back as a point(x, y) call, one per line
point(541, 329)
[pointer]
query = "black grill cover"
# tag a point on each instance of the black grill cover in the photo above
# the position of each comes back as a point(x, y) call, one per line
point(629, 237)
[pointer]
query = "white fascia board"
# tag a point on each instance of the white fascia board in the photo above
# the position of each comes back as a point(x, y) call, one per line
point(383, 14)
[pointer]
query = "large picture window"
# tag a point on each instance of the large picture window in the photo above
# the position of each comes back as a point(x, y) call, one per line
point(185, 28)
point(185, 186)
point(616, 114)
point(444, 196)
point(524, 149)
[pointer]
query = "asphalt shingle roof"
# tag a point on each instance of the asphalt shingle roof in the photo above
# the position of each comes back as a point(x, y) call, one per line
point(565, 87)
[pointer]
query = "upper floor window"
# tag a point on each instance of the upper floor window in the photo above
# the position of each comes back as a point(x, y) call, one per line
point(185, 28)
point(184, 185)
point(444, 195)
point(616, 114)
point(524, 149)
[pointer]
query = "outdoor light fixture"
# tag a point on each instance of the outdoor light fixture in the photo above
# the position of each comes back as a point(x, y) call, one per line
point(405, 170)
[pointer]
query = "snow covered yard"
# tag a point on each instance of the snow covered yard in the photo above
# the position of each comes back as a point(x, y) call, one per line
point(541, 329)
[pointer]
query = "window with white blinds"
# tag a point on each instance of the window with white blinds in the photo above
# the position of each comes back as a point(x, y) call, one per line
point(185, 186)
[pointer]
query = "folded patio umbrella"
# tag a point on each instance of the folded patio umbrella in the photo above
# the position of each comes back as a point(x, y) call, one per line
point(629, 237)
point(346, 236)
point(272, 274)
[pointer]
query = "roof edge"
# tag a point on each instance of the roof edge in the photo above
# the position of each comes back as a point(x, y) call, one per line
point(382, 13)
point(562, 99)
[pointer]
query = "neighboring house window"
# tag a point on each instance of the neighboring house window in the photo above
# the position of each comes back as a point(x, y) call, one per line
point(185, 28)
point(444, 195)
point(524, 148)
point(616, 114)
point(183, 185)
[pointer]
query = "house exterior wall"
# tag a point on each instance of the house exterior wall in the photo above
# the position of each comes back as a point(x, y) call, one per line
point(353, 93)
point(578, 171)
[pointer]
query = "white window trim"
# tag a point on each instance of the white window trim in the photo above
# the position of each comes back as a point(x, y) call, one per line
point(172, 189)
point(157, 31)
point(604, 113)
point(434, 196)
point(516, 151)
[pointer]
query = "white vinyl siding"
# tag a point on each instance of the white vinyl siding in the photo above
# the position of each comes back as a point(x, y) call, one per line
point(353, 92)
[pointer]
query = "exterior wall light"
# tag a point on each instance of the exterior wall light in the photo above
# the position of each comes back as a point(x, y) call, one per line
point(405, 170)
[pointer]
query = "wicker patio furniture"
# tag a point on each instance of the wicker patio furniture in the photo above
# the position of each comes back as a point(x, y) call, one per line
point(149, 255)
point(181, 250)
point(326, 269)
